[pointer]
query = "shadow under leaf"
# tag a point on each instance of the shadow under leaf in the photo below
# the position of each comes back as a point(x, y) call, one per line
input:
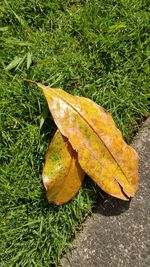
point(111, 206)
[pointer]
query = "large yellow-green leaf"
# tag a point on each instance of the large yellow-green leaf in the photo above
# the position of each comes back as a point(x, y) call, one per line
point(62, 175)
point(102, 152)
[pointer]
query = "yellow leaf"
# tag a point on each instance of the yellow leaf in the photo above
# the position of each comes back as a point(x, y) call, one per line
point(62, 176)
point(102, 152)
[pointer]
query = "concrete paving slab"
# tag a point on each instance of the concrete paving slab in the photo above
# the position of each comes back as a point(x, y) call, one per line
point(118, 232)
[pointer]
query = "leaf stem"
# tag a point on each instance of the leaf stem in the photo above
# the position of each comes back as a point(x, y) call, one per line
point(30, 81)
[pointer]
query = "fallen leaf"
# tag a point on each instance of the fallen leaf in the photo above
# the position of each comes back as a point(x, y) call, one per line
point(102, 152)
point(62, 175)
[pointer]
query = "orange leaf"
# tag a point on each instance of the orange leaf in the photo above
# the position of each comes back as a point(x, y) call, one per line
point(102, 152)
point(62, 176)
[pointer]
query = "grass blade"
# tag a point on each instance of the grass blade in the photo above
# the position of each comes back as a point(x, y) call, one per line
point(29, 60)
point(14, 63)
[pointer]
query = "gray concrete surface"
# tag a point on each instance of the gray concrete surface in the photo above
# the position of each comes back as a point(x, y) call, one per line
point(118, 232)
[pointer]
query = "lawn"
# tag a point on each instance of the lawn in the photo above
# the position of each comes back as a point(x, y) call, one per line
point(97, 49)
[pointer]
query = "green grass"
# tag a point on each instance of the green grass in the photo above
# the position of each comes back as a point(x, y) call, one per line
point(97, 49)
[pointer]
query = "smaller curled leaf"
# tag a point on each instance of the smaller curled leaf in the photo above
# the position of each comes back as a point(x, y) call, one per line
point(62, 175)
